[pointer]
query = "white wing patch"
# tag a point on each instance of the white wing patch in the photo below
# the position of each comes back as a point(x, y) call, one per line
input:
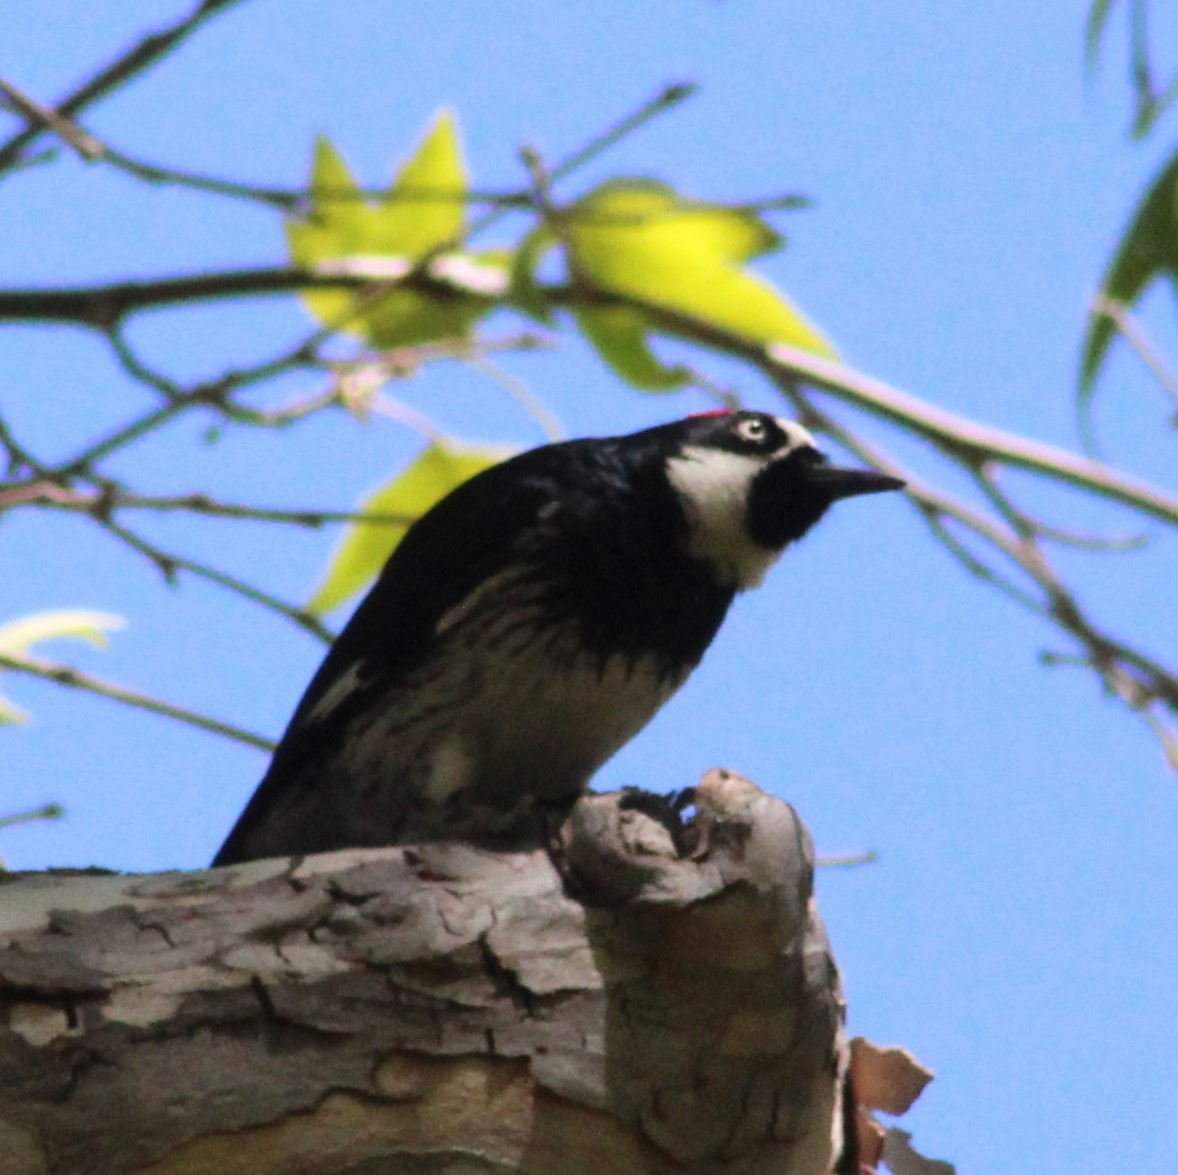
point(339, 691)
point(714, 486)
point(451, 770)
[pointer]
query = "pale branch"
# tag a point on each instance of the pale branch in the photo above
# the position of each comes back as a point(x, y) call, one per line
point(141, 56)
point(69, 132)
point(73, 678)
point(1134, 334)
point(934, 505)
point(967, 440)
point(848, 861)
point(547, 420)
point(1091, 542)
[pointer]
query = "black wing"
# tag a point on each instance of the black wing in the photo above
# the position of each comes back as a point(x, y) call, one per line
point(461, 542)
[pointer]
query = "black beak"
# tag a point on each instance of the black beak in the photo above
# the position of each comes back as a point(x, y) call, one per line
point(838, 483)
point(789, 496)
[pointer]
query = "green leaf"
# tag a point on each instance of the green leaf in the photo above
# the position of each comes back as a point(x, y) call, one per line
point(441, 467)
point(619, 333)
point(423, 212)
point(639, 239)
point(524, 287)
point(338, 225)
point(17, 638)
point(1148, 251)
point(415, 222)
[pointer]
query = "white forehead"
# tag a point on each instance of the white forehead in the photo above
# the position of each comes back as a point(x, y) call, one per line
point(713, 486)
point(797, 437)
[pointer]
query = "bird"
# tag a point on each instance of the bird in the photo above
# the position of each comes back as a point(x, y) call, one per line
point(530, 624)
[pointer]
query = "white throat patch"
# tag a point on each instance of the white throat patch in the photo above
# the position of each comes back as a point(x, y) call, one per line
point(714, 487)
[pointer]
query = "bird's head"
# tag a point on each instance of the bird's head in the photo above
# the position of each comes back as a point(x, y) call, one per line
point(750, 484)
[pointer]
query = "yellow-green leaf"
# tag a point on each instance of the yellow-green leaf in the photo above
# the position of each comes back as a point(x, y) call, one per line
point(423, 211)
point(426, 206)
point(441, 467)
point(404, 318)
point(619, 333)
point(17, 637)
point(736, 234)
point(524, 289)
point(637, 238)
point(339, 224)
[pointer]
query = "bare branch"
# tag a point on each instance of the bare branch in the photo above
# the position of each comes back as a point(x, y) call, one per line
point(169, 564)
point(1134, 334)
point(45, 812)
point(1138, 680)
point(103, 502)
point(69, 132)
point(296, 200)
point(967, 438)
point(73, 678)
point(138, 58)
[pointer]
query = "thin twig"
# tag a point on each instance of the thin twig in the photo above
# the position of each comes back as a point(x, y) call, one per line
point(295, 200)
point(665, 100)
point(1091, 542)
point(959, 435)
point(134, 61)
point(102, 502)
point(45, 812)
point(68, 131)
point(73, 678)
point(1137, 679)
point(17, 457)
point(1134, 334)
point(849, 860)
point(169, 564)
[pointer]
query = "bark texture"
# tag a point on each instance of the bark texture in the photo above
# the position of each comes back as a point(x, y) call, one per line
point(435, 1009)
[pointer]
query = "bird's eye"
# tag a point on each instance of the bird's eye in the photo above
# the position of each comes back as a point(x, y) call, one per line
point(751, 430)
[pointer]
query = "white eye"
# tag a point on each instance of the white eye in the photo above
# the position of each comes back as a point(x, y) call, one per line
point(751, 430)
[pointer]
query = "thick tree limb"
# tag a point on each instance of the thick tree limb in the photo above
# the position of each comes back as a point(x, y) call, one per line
point(435, 1008)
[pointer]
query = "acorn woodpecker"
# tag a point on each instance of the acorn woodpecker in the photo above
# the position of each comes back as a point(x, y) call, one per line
point(528, 626)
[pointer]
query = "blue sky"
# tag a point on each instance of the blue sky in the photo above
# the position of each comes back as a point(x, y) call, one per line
point(1019, 932)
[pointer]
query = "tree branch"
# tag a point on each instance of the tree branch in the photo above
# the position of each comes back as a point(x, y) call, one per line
point(407, 1008)
point(126, 66)
point(963, 437)
point(169, 564)
point(73, 678)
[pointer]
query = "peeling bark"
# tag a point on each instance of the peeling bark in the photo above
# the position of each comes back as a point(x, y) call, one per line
point(436, 1008)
